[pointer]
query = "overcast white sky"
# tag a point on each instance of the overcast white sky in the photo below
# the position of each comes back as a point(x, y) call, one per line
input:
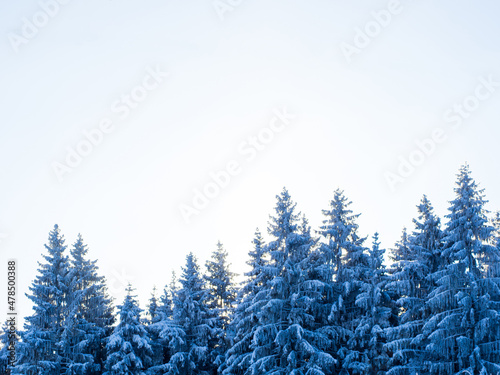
point(428, 68)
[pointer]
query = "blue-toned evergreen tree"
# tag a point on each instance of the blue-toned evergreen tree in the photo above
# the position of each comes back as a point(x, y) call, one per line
point(161, 328)
point(462, 329)
point(128, 348)
point(192, 329)
point(416, 257)
point(41, 352)
point(367, 354)
point(221, 300)
point(285, 341)
point(154, 316)
point(244, 320)
point(165, 307)
point(90, 317)
point(343, 267)
point(152, 308)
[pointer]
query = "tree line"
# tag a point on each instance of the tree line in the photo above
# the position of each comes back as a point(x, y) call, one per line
point(312, 303)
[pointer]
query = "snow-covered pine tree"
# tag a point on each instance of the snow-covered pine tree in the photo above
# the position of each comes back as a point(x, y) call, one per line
point(400, 256)
point(40, 353)
point(221, 299)
point(427, 239)
point(415, 257)
point(162, 322)
point(401, 253)
point(343, 266)
point(219, 281)
point(367, 354)
point(284, 341)
point(460, 329)
point(166, 306)
point(154, 316)
point(192, 329)
point(244, 320)
point(152, 308)
point(90, 315)
point(398, 286)
point(128, 348)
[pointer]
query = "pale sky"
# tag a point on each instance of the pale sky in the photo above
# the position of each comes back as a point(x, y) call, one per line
point(182, 87)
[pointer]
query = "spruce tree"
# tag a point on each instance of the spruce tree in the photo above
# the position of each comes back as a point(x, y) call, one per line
point(90, 315)
point(161, 328)
point(367, 354)
point(128, 348)
point(244, 320)
point(221, 299)
point(416, 257)
point(192, 329)
point(460, 329)
point(166, 303)
point(154, 316)
point(284, 341)
point(42, 352)
point(219, 281)
point(152, 308)
point(343, 263)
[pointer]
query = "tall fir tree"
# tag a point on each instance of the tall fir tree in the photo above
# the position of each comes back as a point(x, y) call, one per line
point(415, 258)
point(42, 352)
point(128, 348)
point(284, 341)
point(463, 320)
point(244, 320)
point(152, 308)
point(192, 329)
point(154, 316)
point(427, 241)
point(367, 354)
point(161, 328)
point(401, 253)
point(166, 306)
point(90, 317)
point(219, 281)
point(343, 263)
point(221, 299)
